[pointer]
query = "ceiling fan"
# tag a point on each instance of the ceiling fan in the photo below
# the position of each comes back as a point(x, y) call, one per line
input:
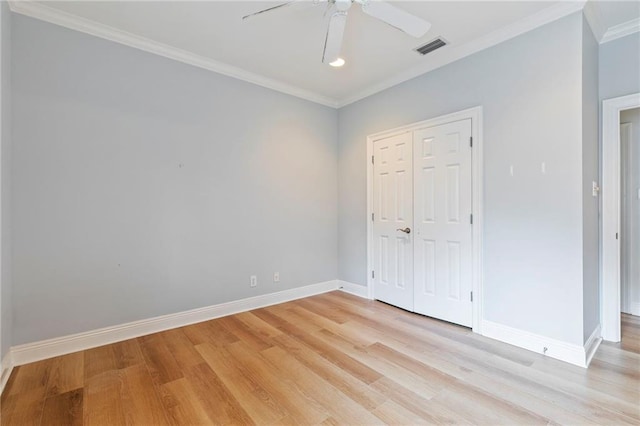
point(383, 11)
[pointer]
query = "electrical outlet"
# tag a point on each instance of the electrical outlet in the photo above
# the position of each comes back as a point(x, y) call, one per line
point(276, 277)
point(254, 281)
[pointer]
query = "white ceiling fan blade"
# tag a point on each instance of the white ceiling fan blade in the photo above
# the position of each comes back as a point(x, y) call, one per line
point(335, 33)
point(289, 3)
point(396, 17)
point(269, 9)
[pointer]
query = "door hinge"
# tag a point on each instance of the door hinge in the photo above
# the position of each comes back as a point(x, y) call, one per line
point(616, 235)
point(372, 159)
point(373, 274)
point(472, 296)
point(471, 141)
point(471, 218)
point(372, 217)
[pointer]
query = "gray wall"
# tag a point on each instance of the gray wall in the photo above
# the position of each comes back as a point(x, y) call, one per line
point(5, 175)
point(590, 168)
point(143, 186)
point(630, 206)
point(620, 67)
point(530, 88)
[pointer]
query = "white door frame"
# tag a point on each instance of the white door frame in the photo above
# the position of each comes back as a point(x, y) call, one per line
point(475, 114)
point(624, 244)
point(610, 219)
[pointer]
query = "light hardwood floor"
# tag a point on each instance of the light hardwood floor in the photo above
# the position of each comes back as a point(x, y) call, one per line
point(328, 359)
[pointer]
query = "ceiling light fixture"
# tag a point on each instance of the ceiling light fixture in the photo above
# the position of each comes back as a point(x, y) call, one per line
point(337, 63)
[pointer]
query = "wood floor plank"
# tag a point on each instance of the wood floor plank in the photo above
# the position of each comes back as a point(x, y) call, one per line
point(436, 378)
point(140, 402)
point(183, 405)
point(215, 398)
point(323, 323)
point(127, 353)
point(102, 399)
point(63, 409)
point(265, 315)
point(436, 365)
point(345, 362)
point(31, 376)
point(329, 359)
point(99, 360)
point(263, 328)
point(612, 353)
point(590, 403)
point(337, 404)
point(24, 408)
point(67, 374)
point(183, 351)
point(485, 408)
point(209, 332)
point(392, 413)
point(330, 311)
point(260, 406)
point(511, 388)
point(384, 367)
point(289, 318)
point(346, 383)
point(578, 383)
point(281, 387)
point(159, 360)
point(244, 333)
point(421, 405)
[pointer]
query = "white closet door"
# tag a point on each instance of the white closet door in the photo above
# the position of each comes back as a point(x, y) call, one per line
point(443, 237)
point(393, 221)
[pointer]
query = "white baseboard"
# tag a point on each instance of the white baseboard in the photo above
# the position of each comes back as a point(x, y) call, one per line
point(6, 367)
point(567, 352)
point(36, 351)
point(634, 308)
point(592, 344)
point(351, 288)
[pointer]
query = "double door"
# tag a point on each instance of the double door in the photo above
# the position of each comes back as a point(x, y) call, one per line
point(422, 223)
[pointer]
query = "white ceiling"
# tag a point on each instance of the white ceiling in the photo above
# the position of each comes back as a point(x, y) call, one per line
point(285, 46)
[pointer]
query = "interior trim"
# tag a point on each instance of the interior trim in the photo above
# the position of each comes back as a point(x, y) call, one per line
point(621, 30)
point(36, 351)
point(452, 53)
point(6, 367)
point(54, 16)
point(592, 344)
point(355, 289)
point(563, 351)
point(610, 213)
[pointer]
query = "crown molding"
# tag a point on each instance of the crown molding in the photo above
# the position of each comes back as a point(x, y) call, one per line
point(621, 30)
point(54, 16)
point(594, 18)
point(453, 53)
point(440, 59)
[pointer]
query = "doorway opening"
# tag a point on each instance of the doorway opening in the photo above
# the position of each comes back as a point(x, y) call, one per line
point(630, 225)
point(619, 196)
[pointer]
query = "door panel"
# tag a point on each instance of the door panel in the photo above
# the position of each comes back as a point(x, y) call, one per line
point(393, 210)
point(443, 244)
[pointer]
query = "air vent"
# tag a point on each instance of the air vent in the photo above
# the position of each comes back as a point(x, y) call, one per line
point(431, 46)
